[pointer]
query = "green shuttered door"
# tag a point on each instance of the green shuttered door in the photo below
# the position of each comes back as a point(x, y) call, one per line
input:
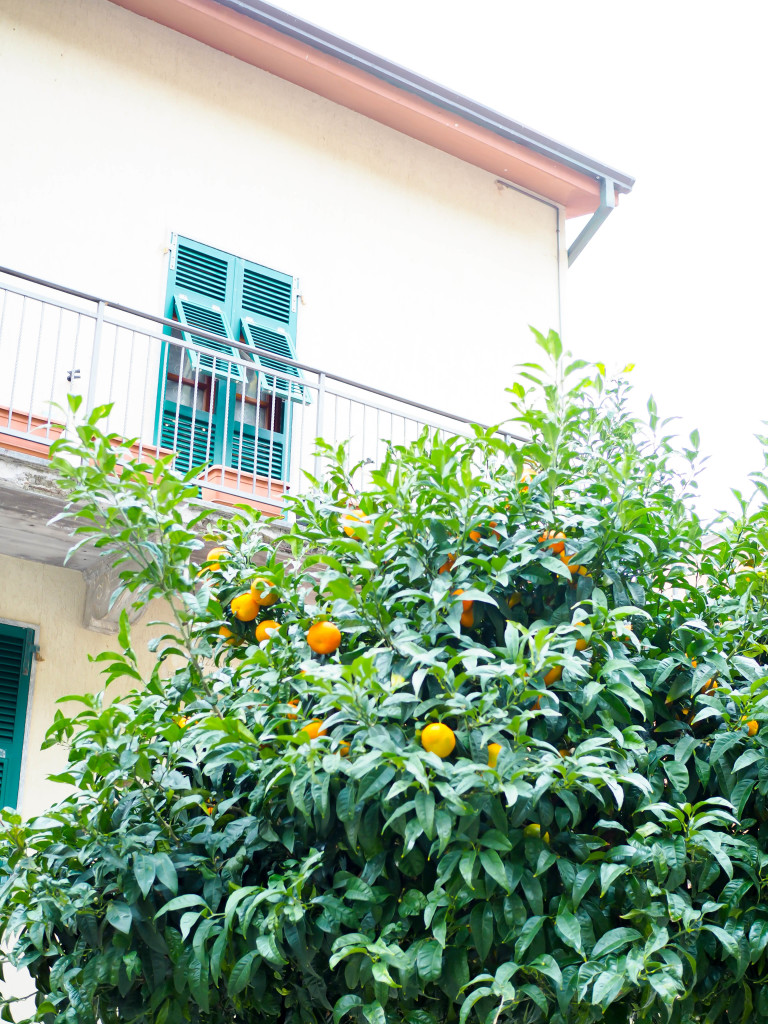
point(241, 301)
point(16, 648)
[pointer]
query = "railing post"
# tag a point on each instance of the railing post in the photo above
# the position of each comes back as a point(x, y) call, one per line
point(90, 400)
point(320, 415)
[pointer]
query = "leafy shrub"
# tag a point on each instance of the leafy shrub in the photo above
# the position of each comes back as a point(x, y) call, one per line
point(216, 862)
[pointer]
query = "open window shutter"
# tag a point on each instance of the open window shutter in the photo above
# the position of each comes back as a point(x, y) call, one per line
point(268, 321)
point(16, 648)
point(212, 319)
point(202, 289)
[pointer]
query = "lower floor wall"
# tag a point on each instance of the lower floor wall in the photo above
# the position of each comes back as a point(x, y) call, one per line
point(49, 602)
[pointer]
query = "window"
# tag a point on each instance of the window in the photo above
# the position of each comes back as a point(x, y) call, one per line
point(16, 650)
point(212, 409)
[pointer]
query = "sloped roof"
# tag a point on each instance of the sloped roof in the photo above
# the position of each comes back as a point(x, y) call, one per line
point(284, 45)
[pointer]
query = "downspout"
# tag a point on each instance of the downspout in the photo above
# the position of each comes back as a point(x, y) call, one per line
point(607, 204)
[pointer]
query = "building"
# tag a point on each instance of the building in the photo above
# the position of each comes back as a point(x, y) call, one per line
point(308, 214)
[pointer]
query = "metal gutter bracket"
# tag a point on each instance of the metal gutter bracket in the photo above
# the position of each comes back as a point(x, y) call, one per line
point(607, 204)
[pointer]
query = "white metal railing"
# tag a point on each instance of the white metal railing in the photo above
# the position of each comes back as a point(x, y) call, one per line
point(253, 427)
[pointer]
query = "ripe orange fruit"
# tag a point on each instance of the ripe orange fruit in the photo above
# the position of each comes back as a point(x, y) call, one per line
point(554, 541)
point(244, 607)
point(293, 704)
point(230, 637)
point(438, 739)
point(494, 749)
point(344, 748)
point(314, 728)
point(467, 618)
point(465, 604)
point(553, 675)
point(213, 557)
point(447, 565)
point(265, 629)
point(475, 535)
point(566, 560)
point(257, 593)
point(324, 637)
point(351, 520)
point(752, 727)
point(581, 644)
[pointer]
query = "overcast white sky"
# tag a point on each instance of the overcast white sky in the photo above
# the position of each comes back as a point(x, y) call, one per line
point(674, 93)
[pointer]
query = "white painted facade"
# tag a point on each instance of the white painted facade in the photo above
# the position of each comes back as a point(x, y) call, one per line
point(419, 274)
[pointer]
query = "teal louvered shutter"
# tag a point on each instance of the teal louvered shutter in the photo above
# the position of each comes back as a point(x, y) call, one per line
point(191, 436)
point(16, 650)
point(202, 272)
point(213, 319)
point(261, 452)
point(268, 321)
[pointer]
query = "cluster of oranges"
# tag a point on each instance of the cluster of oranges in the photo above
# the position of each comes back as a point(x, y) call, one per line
point(323, 637)
point(553, 540)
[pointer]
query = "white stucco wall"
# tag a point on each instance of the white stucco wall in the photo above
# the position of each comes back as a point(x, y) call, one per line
point(419, 273)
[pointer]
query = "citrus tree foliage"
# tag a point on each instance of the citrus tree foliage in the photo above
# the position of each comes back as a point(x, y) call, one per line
point(257, 832)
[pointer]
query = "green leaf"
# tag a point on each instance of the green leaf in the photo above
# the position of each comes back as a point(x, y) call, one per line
point(425, 811)
point(429, 960)
point(493, 866)
point(469, 1002)
point(608, 875)
point(614, 940)
point(747, 758)
point(267, 947)
point(144, 868)
point(607, 988)
point(677, 774)
point(181, 903)
point(344, 1005)
point(569, 930)
point(481, 923)
point(528, 933)
point(120, 917)
point(240, 975)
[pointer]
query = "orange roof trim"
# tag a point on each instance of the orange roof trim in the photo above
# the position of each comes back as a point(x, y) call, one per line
point(304, 65)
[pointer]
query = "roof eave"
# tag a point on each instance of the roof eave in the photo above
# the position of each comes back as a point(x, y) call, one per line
point(281, 44)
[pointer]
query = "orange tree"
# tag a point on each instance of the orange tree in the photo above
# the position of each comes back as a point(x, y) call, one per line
point(485, 742)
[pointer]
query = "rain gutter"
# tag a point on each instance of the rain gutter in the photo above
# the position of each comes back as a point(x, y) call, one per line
point(370, 63)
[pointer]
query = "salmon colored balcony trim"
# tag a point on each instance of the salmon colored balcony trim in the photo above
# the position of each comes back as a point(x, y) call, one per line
point(327, 76)
point(257, 491)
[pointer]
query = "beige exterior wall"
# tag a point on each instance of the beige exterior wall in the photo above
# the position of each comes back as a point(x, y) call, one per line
point(419, 274)
point(51, 600)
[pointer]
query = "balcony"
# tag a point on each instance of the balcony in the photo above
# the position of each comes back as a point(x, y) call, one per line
point(248, 416)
